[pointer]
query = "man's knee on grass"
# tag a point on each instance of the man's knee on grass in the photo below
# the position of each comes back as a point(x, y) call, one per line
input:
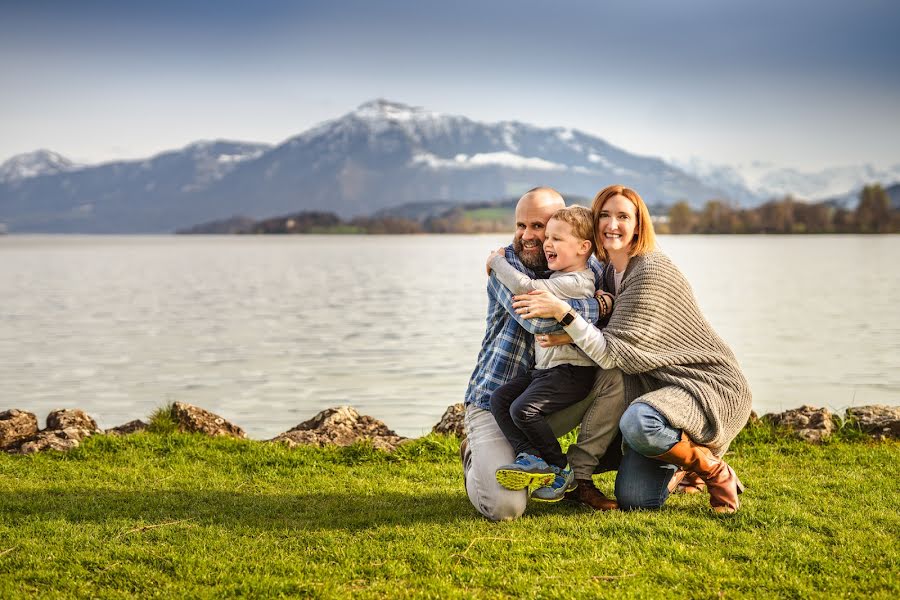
point(505, 507)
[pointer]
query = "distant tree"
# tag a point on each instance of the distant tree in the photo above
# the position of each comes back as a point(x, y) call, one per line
point(812, 218)
point(747, 220)
point(717, 217)
point(301, 222)
point(382, 225)
point(777, 216)
point(843, 221)
point(681, 218)
point(873, 213)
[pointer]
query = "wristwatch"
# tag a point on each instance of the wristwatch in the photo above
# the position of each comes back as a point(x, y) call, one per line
point(567, 318)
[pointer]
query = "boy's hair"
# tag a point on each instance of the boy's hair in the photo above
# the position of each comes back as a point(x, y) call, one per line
point(581, 220)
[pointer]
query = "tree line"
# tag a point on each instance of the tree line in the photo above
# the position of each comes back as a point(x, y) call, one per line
point(873, 214)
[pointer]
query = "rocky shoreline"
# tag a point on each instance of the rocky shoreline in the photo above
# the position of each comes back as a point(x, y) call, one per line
point(343, 426)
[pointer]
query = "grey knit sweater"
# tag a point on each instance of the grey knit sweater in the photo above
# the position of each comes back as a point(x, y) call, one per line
point(672, 358)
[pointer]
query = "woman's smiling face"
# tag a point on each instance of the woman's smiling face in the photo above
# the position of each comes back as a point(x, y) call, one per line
point(617, 222)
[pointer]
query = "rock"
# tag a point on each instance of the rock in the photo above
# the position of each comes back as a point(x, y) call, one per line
point(71, 417)
point(129, 427)
point(452, 421)
point(66, 429)
point(16, 425)
point(878, 420)
point(51, 439)
point(753, 419)
point(340, 426)
point(193, 419)
point(807, 422)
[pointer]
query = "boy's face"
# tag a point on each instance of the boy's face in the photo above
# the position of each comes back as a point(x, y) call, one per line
point(564, 251)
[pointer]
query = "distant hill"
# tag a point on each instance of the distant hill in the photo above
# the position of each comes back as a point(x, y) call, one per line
point(154, 195)
point(839, 184)
point(236, 224)
point(381, 155)
point(376, 158)
point(894, 192)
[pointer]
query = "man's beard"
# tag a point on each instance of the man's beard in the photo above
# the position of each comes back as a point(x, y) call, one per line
point(534, 260)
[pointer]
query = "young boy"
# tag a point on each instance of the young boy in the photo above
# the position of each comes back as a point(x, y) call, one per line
point(563, 375)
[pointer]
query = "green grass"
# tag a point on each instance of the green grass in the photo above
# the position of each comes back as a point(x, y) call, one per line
point(490, 214)
point(187, 516)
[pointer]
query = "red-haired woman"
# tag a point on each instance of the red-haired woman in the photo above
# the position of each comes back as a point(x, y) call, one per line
point(687, 396)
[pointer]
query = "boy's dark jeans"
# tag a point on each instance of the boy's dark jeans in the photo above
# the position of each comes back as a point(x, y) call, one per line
point(521, 406)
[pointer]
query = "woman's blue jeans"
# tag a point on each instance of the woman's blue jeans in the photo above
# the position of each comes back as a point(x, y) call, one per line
point(642, 481)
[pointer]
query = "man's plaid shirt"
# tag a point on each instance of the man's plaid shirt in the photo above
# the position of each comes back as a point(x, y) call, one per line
point(508, 345)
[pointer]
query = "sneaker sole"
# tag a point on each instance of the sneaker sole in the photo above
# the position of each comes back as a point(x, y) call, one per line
point(519, 480)
point(546, 500)
point(571, 487)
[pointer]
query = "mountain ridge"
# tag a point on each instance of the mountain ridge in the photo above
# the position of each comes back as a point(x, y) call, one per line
point(381, 154)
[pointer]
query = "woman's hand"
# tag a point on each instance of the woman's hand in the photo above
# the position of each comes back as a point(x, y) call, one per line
point(547, 340)
point(605, 300)
point(501, 253)
point(540, 303)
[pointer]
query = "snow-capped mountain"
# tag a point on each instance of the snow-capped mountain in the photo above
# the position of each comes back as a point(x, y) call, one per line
point(380, 155)
point(34, 164)
point(125, 196)
point(767, 180)
point(385, 154)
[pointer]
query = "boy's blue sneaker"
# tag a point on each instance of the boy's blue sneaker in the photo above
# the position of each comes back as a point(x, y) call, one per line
point(527, 471)
point(563, 482)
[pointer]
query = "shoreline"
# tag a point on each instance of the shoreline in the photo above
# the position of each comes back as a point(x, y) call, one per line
point(345, 426)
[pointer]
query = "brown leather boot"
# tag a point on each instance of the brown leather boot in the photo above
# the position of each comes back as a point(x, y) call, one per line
point(675, 482)
point(683, 482)
point(690, 484)
point(587, 493)
point(721, 480)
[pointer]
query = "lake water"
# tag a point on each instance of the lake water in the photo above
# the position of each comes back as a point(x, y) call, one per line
point(269, 330)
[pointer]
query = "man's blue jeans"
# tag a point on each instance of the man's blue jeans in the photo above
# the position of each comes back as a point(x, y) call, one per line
point(642, 481)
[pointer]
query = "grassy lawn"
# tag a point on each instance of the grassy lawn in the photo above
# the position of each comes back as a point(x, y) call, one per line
point(187, 516)
point(491, 214)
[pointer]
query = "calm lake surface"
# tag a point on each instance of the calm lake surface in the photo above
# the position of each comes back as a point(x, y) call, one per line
point(267, 331)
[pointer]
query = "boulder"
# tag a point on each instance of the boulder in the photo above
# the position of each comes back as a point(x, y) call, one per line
point(340, 426)
point(193, 419)
point(129, 427)
point(807, 422)
point(16, 425)
point(66, 429)
point(71, 418)
point(51, 439)
point(753, 419)
point(452, 421)
point(877, 420)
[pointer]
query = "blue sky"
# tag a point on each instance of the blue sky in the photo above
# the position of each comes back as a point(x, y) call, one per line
point(807, 84)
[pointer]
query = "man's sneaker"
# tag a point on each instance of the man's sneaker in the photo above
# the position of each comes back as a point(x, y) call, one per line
point(527, 471)
point(554, 492)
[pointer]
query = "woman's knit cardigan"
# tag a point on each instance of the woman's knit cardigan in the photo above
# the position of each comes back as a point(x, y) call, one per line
point(670, 355)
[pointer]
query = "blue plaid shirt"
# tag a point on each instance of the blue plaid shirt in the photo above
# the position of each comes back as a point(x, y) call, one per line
point(507, 349)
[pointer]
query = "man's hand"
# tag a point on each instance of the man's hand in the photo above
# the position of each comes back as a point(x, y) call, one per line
point(501, 253)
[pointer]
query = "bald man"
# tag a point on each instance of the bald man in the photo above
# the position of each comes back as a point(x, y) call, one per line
point(507, 350)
